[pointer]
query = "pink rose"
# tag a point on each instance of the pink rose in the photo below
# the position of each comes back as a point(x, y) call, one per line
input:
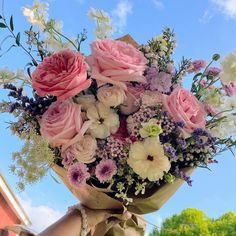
point(63, 74)
point(116, 62)
point(62, 122)
point(132, 102)
point(183, 106)
point(230, 89)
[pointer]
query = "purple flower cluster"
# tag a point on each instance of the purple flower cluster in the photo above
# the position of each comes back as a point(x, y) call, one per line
point(214, 71)
point(158, 80)
point(170, 152)
point(68, 158)
point(180, 174)
point(203, 138)
point(33, 106)
point(197, 65)
point(116, 148)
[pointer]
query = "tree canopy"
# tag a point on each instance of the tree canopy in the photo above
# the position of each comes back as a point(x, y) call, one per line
point(194, 222)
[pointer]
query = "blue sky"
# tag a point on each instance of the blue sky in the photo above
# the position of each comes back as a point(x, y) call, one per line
point(203, 27)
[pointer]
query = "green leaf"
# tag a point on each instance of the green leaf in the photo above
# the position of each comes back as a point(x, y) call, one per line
point(18, 39)
point(2, 25)
point(11, 23)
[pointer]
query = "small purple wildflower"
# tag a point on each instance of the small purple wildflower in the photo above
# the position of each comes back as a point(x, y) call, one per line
point(68, 158)
point(171, 69)
point(180, 174)
point(161, 83)
point(78, 174)
point(215, 71)
point(170, 152)
point(152, 72)
point(182, 143)
point(105, 170)
point(203, 138)
point(197, 65)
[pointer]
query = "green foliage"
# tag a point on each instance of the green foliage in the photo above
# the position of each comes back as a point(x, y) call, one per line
point(193, 222)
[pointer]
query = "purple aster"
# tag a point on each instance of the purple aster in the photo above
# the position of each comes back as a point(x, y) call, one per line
point(197, 65)
point(68, 158)
point(215, 71)
point(105, 170)
point(78, 174)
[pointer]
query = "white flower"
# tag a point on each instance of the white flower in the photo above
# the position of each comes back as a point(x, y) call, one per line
point(105, 121)
point(224, 128)
point(228, 73)
point(37, 14)
point(147, 159)
point(103, 23)
point(86, 101)
point(7, 76)
point(85, 149)
point(228, 103)
point(111, 96)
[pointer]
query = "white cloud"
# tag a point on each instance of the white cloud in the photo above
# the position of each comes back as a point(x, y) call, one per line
point(207, 16)
point(120, 14)
point(227, 7)
point(159, 4)
point(41, 216)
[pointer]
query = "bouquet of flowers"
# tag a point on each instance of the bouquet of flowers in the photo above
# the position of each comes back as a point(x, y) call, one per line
point(117, 126)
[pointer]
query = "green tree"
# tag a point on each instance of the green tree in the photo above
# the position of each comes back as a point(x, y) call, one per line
point(224, 226)
point(193, 222)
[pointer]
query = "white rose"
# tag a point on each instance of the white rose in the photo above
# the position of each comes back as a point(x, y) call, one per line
point(86, 101)
point(85, 149)
point(111, 96)
point(228, 73)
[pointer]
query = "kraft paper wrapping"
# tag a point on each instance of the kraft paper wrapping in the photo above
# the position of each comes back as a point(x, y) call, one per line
point(95, 199)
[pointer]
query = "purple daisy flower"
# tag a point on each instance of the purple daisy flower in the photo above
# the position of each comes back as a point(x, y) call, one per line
point(78, 174)
point(105, 170)
point(215, 71)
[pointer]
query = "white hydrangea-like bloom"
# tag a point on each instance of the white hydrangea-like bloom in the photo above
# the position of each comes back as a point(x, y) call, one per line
point(228, 73)
point(147, 159)
point(225, 128)
point(105, 121)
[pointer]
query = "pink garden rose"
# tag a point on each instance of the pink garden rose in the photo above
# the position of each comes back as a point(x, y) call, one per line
point(183, 106)
point(62, 122)
point(63, 74)
point(230, 89)
point(116, 62)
